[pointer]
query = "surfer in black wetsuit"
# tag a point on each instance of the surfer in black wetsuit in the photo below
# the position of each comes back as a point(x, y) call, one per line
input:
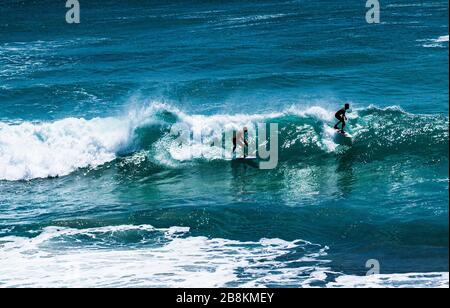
point(340, 115)
point(241, 137)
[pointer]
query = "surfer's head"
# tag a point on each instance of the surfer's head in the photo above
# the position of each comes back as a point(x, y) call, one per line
point(245, 129)
point(347, 106)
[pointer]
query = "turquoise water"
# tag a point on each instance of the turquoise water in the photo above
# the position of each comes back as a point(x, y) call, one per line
point(94, 191)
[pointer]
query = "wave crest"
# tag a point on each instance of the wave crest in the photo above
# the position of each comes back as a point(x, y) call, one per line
point(40, 150)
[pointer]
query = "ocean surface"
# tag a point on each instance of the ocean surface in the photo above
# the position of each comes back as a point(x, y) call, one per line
point(96, 192)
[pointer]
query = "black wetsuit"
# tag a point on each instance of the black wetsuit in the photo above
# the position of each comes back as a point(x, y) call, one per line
point(245, 137)
point(340, 115)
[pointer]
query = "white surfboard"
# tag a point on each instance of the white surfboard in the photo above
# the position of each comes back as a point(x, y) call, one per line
point(343, 138)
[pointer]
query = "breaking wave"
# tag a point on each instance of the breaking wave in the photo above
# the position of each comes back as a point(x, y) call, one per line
point(40, 150)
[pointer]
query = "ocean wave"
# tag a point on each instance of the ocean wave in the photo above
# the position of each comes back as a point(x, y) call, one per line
point(435, 43)
point(31, 151)
point(170, 257)
point(155, 257)
point(246, 21)
point(253, 18)
point(39, 150)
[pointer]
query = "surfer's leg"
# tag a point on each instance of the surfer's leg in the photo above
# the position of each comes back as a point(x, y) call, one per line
point(343, 125)
point(340, 121)
point(336, 126)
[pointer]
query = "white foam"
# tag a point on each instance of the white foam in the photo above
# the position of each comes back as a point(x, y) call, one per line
point(441, 39)
point(24, 58)
point(178, 261)
point(169, 257)
point(29, 151)
point(328, 140)
point(432, 46)
point(315, 112)
point(409, 280)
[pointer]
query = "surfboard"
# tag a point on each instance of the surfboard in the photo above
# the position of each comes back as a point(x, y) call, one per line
point(251, 161)
point(248, 158)
point(343, 138)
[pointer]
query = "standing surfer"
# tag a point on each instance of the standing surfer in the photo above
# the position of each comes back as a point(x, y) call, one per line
point(241, 137)
point(340, 115)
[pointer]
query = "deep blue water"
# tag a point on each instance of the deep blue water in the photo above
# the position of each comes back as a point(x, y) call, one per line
point(95, 192)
